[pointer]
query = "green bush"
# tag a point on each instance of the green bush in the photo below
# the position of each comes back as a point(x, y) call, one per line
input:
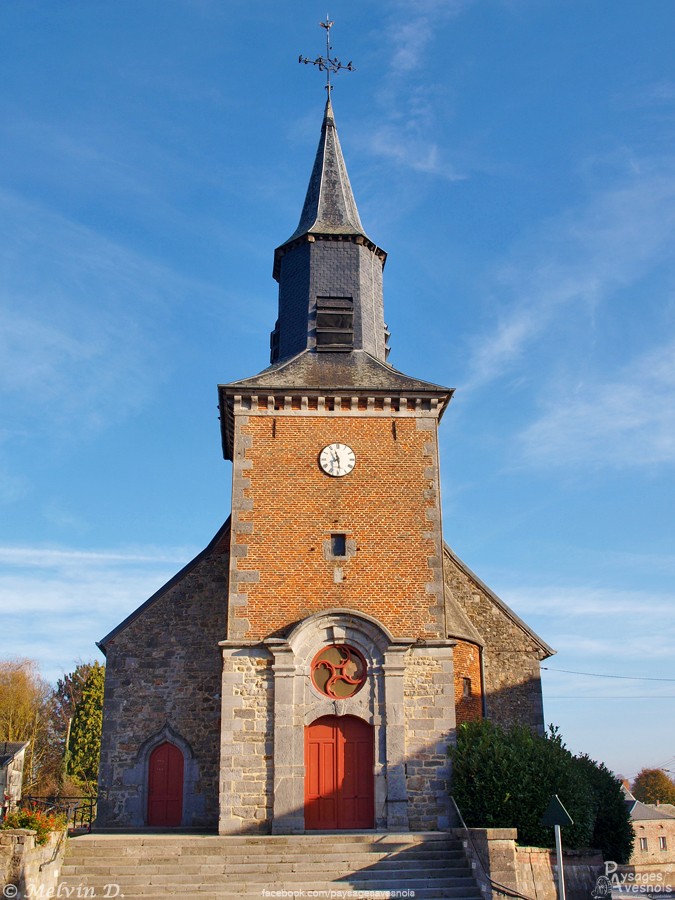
point(505, 779)
point(44, 823)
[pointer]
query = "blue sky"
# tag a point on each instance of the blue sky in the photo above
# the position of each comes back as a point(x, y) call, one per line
point(516, 159)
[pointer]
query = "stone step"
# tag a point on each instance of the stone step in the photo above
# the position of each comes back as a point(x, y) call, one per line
point(207, 893)
point(419, 888)
point(133, 844)
point(227, 859)
point(175, 875)
point(309, 864)
point(206, 867)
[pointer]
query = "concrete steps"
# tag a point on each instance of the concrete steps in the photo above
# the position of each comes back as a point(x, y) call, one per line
point(372, 866)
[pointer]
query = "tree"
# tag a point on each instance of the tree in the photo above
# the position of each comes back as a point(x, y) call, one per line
point(24, 716)
point(505, 779)
point(653, 786)
point(84, 744)
point(612, 830)
point(64, 701)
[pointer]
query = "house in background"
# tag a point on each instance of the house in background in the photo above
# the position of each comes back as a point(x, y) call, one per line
point(12, 755)
point(654, 829)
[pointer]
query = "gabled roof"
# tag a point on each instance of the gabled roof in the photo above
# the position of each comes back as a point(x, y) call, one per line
point(172, 582)
point(9, 750)
point(499, 603)
point(641, 812)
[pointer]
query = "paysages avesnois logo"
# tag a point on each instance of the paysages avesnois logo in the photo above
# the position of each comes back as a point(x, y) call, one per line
point(628, 883)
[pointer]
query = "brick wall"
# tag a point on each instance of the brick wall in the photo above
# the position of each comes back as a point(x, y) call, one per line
point(285, 509)
point(467, 665)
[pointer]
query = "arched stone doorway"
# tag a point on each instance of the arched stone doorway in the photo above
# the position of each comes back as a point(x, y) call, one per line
point(339, 774)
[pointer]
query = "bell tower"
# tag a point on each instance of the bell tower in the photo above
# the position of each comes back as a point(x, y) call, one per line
point(308, 669)
point(336, 539)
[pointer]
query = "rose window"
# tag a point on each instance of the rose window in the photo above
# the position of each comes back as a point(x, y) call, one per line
point(338, 671)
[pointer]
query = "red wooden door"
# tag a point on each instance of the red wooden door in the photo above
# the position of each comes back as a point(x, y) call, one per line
point(165, 785)
point(339, 758)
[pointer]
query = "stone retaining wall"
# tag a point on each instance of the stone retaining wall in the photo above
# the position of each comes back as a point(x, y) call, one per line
point(532, 871)
point(29, 867)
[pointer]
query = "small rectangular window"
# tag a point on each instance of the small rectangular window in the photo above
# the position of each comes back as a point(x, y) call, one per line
point(338, 545)
point(643, 844)
point(466, 687)
point(663, 843)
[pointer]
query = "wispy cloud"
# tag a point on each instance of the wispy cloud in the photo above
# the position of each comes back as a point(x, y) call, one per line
point(579, 261)
point(413, 28)
point(56, 602)
point(628, 421)
point(604, 602)
point(84, 322)
point(404, 134)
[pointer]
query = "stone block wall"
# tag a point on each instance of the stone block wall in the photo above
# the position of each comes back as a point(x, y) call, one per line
point(247, 764)
point(32, 868)
point(531, 871)
point(511, 652)
point(429, 728)
point(163, 682)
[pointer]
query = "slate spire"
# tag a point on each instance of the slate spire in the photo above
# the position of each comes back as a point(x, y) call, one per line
point(329, 271)
point(330, 207)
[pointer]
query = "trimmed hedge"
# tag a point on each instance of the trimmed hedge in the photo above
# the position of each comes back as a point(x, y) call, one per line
point(505, 779)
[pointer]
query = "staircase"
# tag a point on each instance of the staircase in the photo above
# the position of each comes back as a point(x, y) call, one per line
point(367, 866)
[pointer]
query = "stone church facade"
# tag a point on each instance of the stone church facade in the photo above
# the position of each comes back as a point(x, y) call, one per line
point(309, 668)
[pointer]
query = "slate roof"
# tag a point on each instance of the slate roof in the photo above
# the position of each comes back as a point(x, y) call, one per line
point(330, 207)
point(354, 370)
point(641, 812)
point(9, 749)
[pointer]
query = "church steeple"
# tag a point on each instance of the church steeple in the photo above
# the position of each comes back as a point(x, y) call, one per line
point(329, 271)
point(330, 207)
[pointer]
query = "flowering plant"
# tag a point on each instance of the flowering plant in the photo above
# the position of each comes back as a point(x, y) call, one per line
point(41, 821)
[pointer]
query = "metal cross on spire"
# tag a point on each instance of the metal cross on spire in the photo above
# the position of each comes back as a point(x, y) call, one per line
point(327, 63)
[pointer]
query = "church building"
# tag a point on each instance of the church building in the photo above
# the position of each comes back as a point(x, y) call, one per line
point(308, 670)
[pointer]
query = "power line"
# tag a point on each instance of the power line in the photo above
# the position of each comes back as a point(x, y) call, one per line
point(607, 697)
point(599, 675)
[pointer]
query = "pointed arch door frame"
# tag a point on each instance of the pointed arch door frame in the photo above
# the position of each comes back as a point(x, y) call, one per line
point(167, 734)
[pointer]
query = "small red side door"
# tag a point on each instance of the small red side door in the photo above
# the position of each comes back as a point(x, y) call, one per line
point(165, 786)
point(339, 777)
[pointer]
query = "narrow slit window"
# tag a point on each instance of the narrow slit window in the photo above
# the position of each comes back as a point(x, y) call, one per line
point(466, 687)
point(338, 545)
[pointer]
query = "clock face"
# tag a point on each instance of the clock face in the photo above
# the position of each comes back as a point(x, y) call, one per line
point(337, 459)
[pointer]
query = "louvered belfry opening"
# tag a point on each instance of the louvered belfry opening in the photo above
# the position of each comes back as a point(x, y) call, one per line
point(334, 323)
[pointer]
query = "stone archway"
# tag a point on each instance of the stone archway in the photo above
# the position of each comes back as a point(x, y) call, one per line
point(297, 703)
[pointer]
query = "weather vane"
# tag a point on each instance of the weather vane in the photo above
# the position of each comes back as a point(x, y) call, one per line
point(326, 63)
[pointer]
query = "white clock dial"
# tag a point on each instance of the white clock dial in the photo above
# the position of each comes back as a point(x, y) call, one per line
point(337, 459)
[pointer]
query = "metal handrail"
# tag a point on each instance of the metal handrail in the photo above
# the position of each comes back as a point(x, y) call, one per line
point(494, 885)
point(75, 809)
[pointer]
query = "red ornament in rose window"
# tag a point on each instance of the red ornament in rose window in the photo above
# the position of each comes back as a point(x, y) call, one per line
point(338, 671)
